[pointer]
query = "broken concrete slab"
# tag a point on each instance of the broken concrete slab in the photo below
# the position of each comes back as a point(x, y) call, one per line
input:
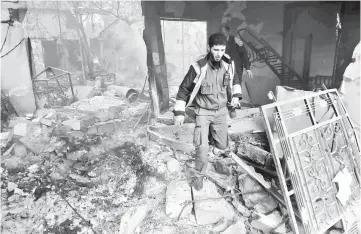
point(20, 150)
point(47, 122)
point(238, 227)
point(226, 182)
point(12, 186)
point(107, 127)
point(255, 196)
point(252, 124)
point(81, 92)
point(133, 218)
point(4, 136)
point(335, 232)
point(221, 168)
point(209, 205)
point(241, 208)
point(173, 166)
point(178, 199)
point(76, 155)
point(73, 124)
point(98, 104)
point(18, 120)
point(221, 225)
point(268, 223)
point(20, 130)
point(11, 163)
point(81, 123)
point(177, 137)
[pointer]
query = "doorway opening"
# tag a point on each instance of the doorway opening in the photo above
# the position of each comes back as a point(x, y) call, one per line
point(184, 41)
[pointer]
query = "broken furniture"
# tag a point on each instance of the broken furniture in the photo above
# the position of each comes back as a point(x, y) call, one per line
point(313, 143)
point(53, 91)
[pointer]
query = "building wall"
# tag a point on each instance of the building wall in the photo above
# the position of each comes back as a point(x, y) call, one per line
point(265, 17)
point(15, 70)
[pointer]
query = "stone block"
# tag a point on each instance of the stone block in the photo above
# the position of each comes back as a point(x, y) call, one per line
point(133, 218)
point(92, 130)
point(20, 129)
point(47, 122)
point(210, 211)
point(178, 194)
point(105, 127)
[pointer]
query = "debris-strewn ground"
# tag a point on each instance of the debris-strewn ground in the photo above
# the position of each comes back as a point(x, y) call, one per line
point(84, 168)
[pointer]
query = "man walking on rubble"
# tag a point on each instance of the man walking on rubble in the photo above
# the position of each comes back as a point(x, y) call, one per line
point(238, 53)
point(211, 85)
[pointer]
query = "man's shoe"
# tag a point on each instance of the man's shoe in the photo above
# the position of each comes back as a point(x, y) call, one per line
point(232, 113)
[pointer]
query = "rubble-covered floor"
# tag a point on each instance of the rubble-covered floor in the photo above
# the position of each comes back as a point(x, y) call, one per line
point(81, 169)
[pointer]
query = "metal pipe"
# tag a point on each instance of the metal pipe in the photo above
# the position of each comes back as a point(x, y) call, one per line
point(130, 94)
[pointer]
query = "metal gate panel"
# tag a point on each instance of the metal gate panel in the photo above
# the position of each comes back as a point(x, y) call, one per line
point(315, 149)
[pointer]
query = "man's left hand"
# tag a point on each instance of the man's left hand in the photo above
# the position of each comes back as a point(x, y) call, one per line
point(249, 73)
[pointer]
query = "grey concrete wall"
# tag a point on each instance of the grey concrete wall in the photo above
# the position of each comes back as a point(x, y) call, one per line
point(15, 70)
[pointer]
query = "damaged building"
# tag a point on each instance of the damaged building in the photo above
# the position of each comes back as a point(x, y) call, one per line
point(88, 138)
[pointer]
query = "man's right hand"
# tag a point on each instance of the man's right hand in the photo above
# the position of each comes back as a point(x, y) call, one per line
point(178, 120)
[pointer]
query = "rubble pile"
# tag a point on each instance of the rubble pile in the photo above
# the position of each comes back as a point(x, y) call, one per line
point(81, 156)
point(85, 168)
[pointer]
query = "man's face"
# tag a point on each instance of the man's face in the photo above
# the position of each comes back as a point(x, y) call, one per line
point(217, 52)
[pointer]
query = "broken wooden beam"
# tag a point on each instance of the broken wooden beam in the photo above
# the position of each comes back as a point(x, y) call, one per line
point(253, 153)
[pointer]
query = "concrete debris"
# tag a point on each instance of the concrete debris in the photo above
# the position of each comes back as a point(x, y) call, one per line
point(12, 186)
point(133, 218)
point(173, 165)
point(20, 130)
point(20, 150)
point(178, 200)
point(221, 225)
point(241, 208)
point(47, 122)
point(88, 148)
point(255, 196)
point(98, 103)
point(4, 136)
point(76, 155)
point(335, 232)
point(81, 92)
point(226, 182)
point(209, 206)
point(73, 124)
point(29, 116)
point(110, 93)
point(222, 168)
point(11, 163)
point(238, 227)
point(267, 223)
point(166, 156)
point(177, 137)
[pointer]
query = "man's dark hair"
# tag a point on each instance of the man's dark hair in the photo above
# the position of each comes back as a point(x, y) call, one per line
point(217, 39)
